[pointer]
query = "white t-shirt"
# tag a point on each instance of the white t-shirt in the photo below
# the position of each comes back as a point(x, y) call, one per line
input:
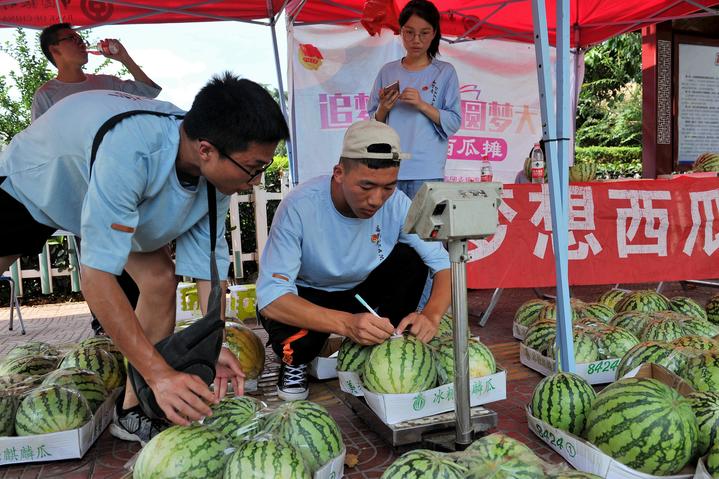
point(312, 244)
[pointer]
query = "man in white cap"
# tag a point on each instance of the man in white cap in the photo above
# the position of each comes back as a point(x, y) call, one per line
point(336, 236)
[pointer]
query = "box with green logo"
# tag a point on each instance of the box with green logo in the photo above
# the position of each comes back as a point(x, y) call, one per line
point(394, 408)
point(242, 301)
point(187, 303)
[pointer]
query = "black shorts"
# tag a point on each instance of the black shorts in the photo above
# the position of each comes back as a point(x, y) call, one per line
point(21, 234)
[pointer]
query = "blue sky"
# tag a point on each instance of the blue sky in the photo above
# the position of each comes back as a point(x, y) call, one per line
point(182, 57)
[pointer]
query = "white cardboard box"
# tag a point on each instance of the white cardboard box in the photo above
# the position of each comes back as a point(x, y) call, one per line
point(586, 457)
point(324, 366)
point(72, 444)
point(241, 302)
point(597, 372)
point(394, 408)
point(519, 331)
point(187, 305)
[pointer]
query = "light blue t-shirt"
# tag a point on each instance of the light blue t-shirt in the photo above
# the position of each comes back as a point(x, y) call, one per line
point(438, 85)
point(311, 244)
point(132, 202)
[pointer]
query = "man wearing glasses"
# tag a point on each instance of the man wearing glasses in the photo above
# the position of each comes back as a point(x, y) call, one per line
point(147, 187)
point(67, 50)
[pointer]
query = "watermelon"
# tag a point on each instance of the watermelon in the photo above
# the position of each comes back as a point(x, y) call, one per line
point(446, 330)
point(28, 366)
point(481, 360)
point(591, 325)
point(655, 352)
point(583, 172)
point(528, 313)
point(498, 456)
point(612, 297)
point(597, 311)
point(697, 342)
point(310, 428)
point(699, 327)
point(539, 335)
point(706, 162)
point(423, 463)
point(614, 342)
point(702, 371)
point(662, 330)
point(549, 313)
point(684, 305)
point(102, 342)
point(8, 406)
point(352, 356)
point(563, 400)
point(632, 321)
point(236, 417)
point(33, 348)
point(706, 409)
point(248, 348)
point(400, 365)
point(51, 409)
point(585, 349)
point(270, 457)
point(643, 424)
point(646, 301)
point(98, 361)
point(189, 452)
point(712, 460)
point(712, 309)
point(87, 383)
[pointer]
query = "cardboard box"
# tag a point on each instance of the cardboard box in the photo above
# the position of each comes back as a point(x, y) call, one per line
point(597, 372)
point(324, 366)
point(585, 456)
point(519, 331)
point(187, 305)
point(242, 301)
point(394, 408)
point(56, 446)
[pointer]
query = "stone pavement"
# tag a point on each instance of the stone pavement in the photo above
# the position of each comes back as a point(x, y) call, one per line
point(69, 322)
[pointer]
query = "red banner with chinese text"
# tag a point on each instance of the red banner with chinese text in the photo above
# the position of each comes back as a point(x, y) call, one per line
point(619, 232)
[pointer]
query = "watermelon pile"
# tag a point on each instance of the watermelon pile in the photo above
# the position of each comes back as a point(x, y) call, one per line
point(293, 441)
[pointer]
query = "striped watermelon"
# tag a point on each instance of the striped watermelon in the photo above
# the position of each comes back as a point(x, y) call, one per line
point(528, 313)
point(481, 360)
point(699, 327)
point(612, 297)
point(684, 305)
point(583, 172)
point(8, 406)
point(614, 342)
point(352, 356)
point(706, 162)
point(98, 361)
point(697, 342)
point(400, 365)
point(585, 349)
point(248, 348)
point(712, 309)
point(643, 424)
point(646, 301)
point(423, 463)
point(103, 342)
point(598, 311)
point(51, 409)
point(28, 366)
point(33, 348)
point(189, 452)
point(563, 400)
point(662, 330)
point(446, 330)
point(632, 321)
point(498, 456)
point(310, 428)
point(259, 458)
point(549, 313)
point(591, 325)
point(236, 417)
point(87, 383)
point(712, 460)
point(702, 371)
point(655, 352)
point(540, 335)
point(706, 409)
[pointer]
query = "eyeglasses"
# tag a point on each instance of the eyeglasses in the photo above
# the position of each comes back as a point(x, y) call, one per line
point(247, 172)
point(77, 39)
point(423, 35)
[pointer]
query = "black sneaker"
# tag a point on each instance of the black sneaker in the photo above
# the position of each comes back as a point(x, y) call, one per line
point(292, 384)
point(133, 425)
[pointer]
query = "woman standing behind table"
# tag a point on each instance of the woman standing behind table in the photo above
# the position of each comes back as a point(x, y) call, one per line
point(425, 109)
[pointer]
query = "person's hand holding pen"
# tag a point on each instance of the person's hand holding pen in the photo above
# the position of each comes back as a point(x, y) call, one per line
point(368, 328)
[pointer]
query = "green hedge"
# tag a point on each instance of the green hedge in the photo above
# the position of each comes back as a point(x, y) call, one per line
point(612, 161)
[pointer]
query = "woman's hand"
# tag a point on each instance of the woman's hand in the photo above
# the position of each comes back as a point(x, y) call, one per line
point(387, 100)
point(412, 97)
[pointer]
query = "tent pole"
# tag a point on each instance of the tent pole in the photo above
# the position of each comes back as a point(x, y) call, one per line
point(288, 141)
point(59, 12)
point(558, 204)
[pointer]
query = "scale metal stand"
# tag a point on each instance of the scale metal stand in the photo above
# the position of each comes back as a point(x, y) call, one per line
point(451, 212)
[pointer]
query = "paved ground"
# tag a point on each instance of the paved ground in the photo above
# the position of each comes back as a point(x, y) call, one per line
point(65, 323)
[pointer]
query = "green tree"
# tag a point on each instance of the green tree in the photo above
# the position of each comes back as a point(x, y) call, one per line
point(609, 108)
